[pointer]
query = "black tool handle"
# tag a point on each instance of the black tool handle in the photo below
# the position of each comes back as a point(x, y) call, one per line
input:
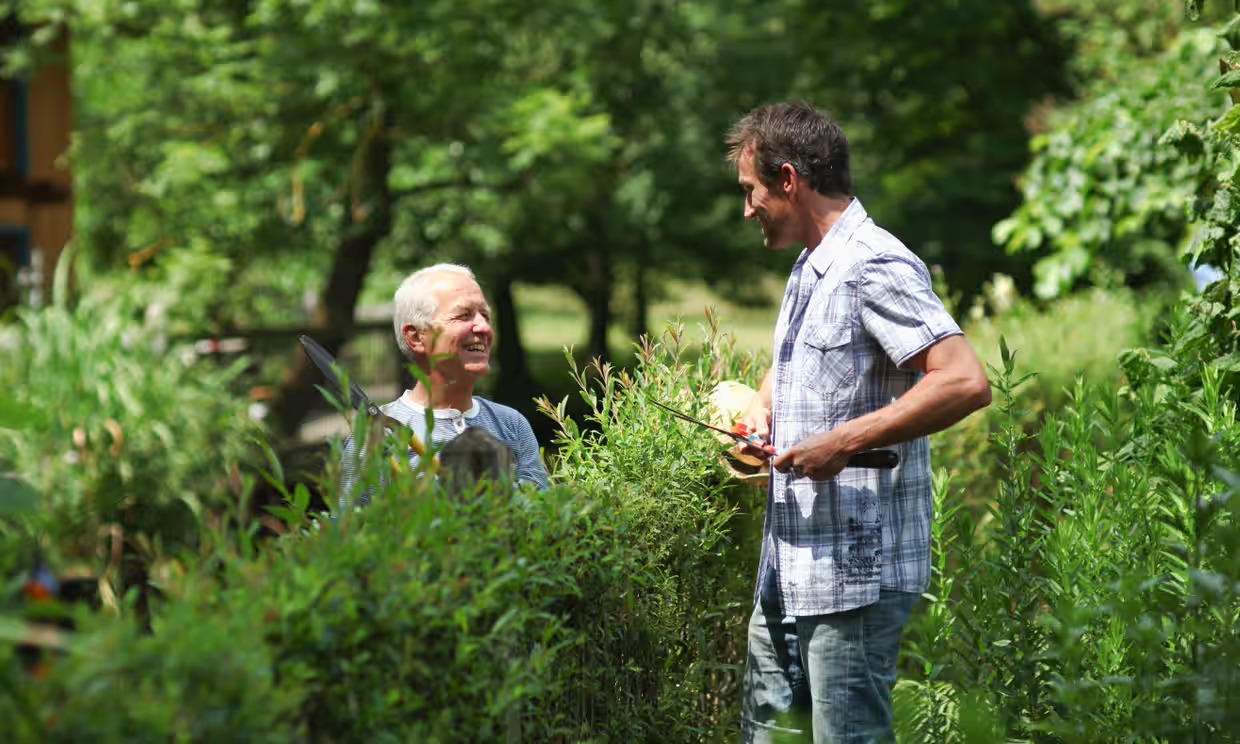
point(881, 458)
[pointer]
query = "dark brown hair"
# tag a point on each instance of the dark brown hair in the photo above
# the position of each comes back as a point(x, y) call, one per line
point(798, 134)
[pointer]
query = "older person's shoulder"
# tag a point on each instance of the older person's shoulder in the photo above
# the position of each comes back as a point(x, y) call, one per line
point(497, 410)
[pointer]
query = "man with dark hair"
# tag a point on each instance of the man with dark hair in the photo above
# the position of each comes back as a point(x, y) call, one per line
point(865, 356)
point(442, 323)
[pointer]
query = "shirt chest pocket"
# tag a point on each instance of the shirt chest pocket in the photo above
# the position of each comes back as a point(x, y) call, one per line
point(828, 357)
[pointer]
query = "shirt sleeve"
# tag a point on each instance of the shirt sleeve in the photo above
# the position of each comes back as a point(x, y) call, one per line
point(899, 307)
point(530, 467)
point(351, 456)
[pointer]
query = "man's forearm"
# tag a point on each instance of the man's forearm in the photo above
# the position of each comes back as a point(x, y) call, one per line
point(931, 406)
point(954, 386)
point(764, 391)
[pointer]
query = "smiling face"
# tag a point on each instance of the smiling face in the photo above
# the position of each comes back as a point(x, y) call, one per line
point(457, 344)
point(772, 208)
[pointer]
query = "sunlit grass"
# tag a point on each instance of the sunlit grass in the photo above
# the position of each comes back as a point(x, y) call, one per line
point(552, 318)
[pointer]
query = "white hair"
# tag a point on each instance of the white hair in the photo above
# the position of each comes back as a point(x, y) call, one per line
point(415, 303)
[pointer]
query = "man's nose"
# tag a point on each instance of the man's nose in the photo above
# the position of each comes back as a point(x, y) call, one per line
point(481, 324)
point(750, 212)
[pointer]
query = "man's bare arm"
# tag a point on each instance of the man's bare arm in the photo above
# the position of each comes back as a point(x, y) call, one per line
point(954, 386)
point(758, 415)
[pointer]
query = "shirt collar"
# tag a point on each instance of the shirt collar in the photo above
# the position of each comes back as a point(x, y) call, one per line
point(838, 236)
point(441, 413)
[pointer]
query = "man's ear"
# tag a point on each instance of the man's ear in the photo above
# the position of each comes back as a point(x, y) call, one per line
point(788, 179)
point(412, 337)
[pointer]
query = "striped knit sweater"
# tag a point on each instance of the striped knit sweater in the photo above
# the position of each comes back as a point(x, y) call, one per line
point(504, 423)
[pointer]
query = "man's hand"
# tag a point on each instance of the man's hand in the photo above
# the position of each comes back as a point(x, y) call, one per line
point(818, 457)
point(758, 417)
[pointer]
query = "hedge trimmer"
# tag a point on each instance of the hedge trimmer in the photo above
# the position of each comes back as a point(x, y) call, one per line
point(742, 433)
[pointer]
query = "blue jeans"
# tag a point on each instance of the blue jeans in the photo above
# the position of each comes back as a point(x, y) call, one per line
point(825, 678)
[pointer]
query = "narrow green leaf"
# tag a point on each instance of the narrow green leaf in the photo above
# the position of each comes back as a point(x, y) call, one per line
point(1230, 121)
point(17, 497)
point(301, 498)
point(282, 513)
point(1229, 80)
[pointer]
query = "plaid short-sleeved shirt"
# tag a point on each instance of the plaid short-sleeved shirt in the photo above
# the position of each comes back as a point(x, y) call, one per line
point(856, 309)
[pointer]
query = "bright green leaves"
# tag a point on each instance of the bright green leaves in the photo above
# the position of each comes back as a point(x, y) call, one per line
point(553, 130)
point(1229, 123)
point(1186, 137)
point(1106, 192)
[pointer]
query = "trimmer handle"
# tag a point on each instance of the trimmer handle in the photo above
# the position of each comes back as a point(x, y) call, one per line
point(753, 439)
point(883, 459)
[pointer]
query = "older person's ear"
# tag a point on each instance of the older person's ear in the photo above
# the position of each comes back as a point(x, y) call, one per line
point(414, 339)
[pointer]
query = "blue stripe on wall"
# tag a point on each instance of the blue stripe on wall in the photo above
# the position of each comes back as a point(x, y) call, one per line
point(21, 132)
point(23, 241)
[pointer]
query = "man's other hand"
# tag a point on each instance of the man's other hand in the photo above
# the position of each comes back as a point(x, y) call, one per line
point(819, 457)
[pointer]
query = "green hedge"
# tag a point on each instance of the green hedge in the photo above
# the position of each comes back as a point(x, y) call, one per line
point(131, 441)
point(1078, 337)
point(609, 608)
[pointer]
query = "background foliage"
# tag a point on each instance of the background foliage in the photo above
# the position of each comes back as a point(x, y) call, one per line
point(233, 154)
point(1104, 203)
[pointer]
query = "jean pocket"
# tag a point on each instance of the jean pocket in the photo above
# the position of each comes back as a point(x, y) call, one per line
point(829, 358)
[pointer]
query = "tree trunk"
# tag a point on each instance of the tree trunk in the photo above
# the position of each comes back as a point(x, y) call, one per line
point(514, 387)
point(364, 225)
point(641, 304)
point(598, 301)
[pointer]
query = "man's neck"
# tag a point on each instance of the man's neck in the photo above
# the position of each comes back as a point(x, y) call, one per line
point(446, 395)
point(822, 212)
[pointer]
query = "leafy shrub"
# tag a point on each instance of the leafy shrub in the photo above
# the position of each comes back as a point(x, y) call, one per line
point(135, 443)
point(426, 618)
point(1080, 336)
point(1101, 197)
point(701, 530)
point(607, 609)
point(1098, 600)
point(199, 677)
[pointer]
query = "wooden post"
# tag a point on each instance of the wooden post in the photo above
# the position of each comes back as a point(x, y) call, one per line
point(473, 456)
point(36, 207)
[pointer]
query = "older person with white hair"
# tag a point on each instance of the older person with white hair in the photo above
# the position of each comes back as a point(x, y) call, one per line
point(443, 325)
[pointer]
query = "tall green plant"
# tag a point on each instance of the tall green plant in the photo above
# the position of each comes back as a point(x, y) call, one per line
point(666, 476)
point(1079, 336)
point(137, 444)
point(1103, 202)
point(1101, 603)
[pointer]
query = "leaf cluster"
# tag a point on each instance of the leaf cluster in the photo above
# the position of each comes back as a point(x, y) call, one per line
point(133, 443)
point(1104, 200)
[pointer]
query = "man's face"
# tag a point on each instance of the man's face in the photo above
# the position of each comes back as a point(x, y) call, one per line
point(772, 209)
point(459, 340)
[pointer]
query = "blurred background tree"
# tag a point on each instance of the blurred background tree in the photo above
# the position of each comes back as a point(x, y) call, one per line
point(1104, 204)
point(253, 152)
point(282, 163)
